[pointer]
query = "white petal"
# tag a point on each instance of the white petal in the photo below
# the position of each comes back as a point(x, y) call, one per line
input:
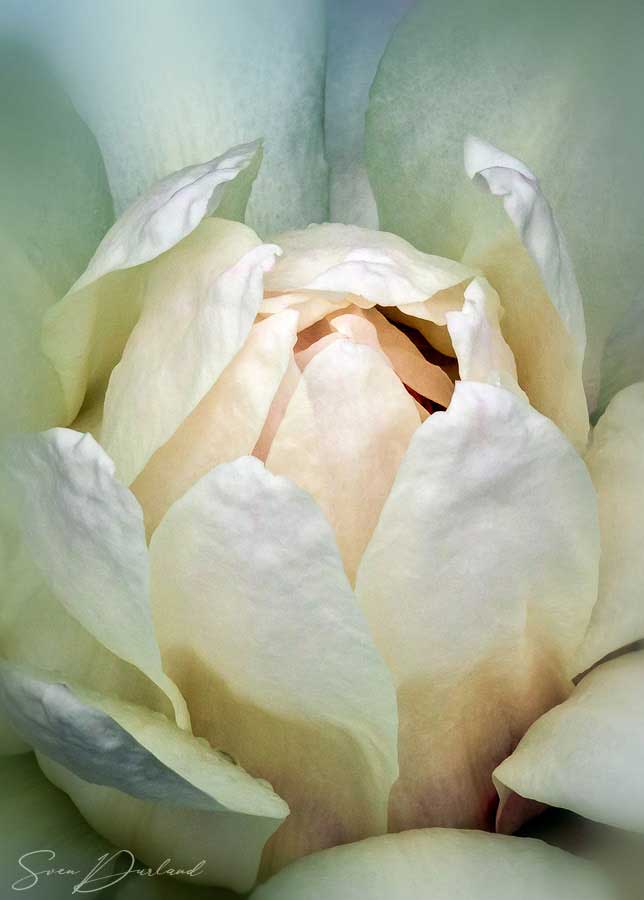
point(533, 218)
point(586, 754)
point(375, 265)
point(616, 464)
point(344, 433)
point(169, 211)
point(258, 625)
point(478, 584)
point(192, 79)
point(85, 533)
point(439, 864)
point(85, 740)
point(480, 348)
point(190, 328)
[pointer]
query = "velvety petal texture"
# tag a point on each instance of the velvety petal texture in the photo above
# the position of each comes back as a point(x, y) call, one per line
point(85, 533)
point(192, 79)
point(438, 864)
point(553, 84)
point(84, 334)
point(259, 628)
point(478, 597)
point(586, 754)
point(616, 464)
point(145, 765)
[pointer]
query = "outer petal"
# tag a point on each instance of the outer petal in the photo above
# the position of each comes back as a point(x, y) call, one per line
point(344, 433)
point(56, 206)
point(357, 34)
point(616, 464)
point(258, 625)
point(561, 97)
point(191, 327)
point(96, 316)
point(193, 78)
point(85, 533)
point(120, 762)
point(478, 584)
point(586, 754)
point(438, 864)
point(228, 421)
point(34, 816)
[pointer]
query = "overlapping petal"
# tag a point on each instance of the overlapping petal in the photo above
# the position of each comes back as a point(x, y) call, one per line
point(56, 206)
point(259, 628)
point(123, 765)
point(84, 531)
point(556, 87)
point(84, 334)
point(377, 266)
point(357, 35)
point(586, 754)
point(342, 437)
point(478, 584)
point(616, 464)
point(192, 79)
point(191, 326)
point(228, 421)
point(438, 864)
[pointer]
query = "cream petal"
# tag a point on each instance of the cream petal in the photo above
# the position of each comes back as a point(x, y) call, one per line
point(93, 309)
point(530, 213)
point(478, 584)
point(190, 329)
point(258, 625)
point(277, 409)
point(616, 464)
point(378, 266)
point(480, 348)
point(85, 533)
point(439, 864)
point(344, 433)
point(227, 422)
point(530, 268)
point(409, 363)
point(141, 781)
point(586, 754)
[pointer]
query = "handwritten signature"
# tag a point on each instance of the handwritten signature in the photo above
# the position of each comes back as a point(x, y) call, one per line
point(96, 879)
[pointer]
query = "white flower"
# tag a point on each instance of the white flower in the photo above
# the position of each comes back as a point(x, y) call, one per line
point(321, 542)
